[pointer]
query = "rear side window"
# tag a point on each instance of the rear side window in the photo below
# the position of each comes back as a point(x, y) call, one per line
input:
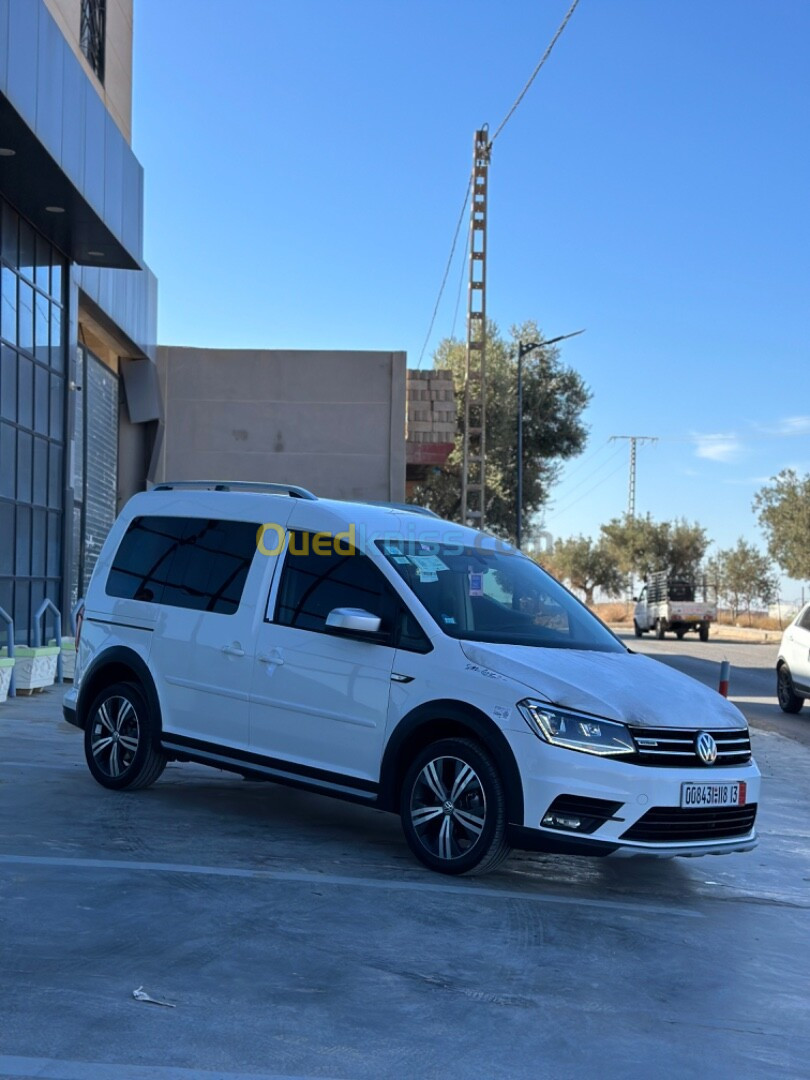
point(184, 562)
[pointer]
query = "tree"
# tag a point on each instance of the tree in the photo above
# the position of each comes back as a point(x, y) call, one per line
point(554, 398)
point(783, 508)
point(586, 565)
point(744, 577)
point(641, 546)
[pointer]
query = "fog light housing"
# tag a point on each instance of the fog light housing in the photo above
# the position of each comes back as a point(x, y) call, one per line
point(562, 821)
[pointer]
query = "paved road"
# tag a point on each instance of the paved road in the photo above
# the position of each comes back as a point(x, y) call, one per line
point(753, 676)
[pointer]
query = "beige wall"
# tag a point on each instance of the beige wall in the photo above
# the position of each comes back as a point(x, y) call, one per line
point(333, 422)
point(116, 93)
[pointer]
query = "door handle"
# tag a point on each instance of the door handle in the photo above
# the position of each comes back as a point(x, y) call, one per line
point(273, 657)
point(233, 650)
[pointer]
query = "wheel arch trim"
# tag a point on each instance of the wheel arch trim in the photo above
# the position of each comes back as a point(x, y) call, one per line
point(462, 719)
point(115, 658)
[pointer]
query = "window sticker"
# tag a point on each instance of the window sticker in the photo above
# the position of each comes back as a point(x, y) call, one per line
point(392, 549)
point(400, 559)
point(427, 576)
point(428, 564)
point(448, 620)
point(476, 583)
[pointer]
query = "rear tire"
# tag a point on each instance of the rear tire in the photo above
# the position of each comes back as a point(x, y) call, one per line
point(453, 808)
point(704, 633)
point(121, 739)
point(637, 629)
point(680, 634)
point(659, 629)
point(789, 700)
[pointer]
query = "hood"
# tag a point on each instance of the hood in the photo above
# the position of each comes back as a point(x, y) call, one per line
point(624, 686)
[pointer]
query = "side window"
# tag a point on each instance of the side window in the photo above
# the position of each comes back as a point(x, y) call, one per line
point(184, 562)
point(319, 575)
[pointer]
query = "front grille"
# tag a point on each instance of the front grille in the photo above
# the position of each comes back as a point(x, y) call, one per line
point(675, 747)
point(669, 824)
point(592, 813)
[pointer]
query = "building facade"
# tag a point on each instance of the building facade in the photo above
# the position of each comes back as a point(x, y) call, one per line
point(330, 421)
point(79, 394)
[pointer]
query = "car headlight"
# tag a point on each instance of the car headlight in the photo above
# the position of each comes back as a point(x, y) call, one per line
point(575, 731)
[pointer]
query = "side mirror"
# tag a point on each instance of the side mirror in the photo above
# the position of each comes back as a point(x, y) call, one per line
point(634, 599)
point(353, 620)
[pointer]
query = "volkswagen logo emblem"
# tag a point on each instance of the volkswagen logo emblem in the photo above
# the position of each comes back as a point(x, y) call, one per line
point(706, 748)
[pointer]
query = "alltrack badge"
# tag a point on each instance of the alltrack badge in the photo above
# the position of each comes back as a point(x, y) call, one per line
point(706, 748)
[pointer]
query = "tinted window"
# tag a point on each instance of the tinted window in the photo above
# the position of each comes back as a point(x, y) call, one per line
point(319, 576)
point(184, 562)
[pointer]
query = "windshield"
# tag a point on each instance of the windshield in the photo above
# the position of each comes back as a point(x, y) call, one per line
point(491, 594)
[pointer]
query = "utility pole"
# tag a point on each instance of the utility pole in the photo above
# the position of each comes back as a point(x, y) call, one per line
point(631, 489)
point(473, 474)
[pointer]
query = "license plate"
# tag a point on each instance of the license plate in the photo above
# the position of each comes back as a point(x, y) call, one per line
point(713, 794)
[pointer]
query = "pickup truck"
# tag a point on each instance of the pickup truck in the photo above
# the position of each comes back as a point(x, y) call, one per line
point(668, 603)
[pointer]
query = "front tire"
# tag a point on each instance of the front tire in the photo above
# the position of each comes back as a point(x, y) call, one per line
point(659, 629)
point(704, 632)
point(453, 808)
point(121, 739)
point(789, 700)
point(637, 629)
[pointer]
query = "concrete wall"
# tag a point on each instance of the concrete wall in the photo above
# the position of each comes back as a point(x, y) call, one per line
point(333, 422)
point(116, 92)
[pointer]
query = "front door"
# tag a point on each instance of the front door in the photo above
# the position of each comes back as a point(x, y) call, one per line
point(319, 698)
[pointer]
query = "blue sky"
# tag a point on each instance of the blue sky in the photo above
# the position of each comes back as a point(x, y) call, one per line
point(306, 162)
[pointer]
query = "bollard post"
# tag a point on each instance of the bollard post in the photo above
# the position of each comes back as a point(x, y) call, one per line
point(725, 672)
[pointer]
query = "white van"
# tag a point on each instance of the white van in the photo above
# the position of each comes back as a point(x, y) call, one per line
point(400, 661)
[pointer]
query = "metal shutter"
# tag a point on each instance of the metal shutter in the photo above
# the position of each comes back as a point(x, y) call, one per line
point(101, 459)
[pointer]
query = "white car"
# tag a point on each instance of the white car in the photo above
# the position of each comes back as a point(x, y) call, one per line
point(403, 662)
point(793, 664)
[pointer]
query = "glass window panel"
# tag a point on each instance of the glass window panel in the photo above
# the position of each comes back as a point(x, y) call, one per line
point(57, 408)
point(8, 383)
point(57, 271)
point(26, 250)
point(57, 345)
point(8, 306)
point(25, 469)
point(25, 317)
point(25, 391)
point(40, 472)
point(6, 540)
point(9, 235)
point(77, 554)
point(42, 270)
point(22, 560)
point(143, 561)
point(37, 596)
point(42, 316)
point(6, 598)
point(54, 568)
point(41, 403)
point(8, 461)
point(209, 571)
point(39, 538)
point(55, 478)
point(314, 582)
point(22, 611)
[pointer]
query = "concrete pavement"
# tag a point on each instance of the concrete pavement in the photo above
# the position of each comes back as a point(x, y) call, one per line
point(297, 938)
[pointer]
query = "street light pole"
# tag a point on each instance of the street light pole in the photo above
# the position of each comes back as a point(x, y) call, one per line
point(525, 347)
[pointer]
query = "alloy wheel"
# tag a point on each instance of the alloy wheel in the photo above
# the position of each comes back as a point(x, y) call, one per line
point(115, 737)
point(448, 807)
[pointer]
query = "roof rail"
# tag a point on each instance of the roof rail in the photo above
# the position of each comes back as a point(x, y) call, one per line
point(235, 485)
point(408, 508)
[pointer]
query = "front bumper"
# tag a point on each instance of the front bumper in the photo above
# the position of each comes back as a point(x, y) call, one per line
point(550, 772)
point(70, 707)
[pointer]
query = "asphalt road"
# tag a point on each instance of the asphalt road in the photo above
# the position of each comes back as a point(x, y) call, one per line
point(753, 676)
point(296, 937)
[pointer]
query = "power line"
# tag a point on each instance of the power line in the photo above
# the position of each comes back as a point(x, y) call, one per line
point(536, 71)
point(591, 475)
point(446, 271)
point(585, 494)
point(581, 461)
